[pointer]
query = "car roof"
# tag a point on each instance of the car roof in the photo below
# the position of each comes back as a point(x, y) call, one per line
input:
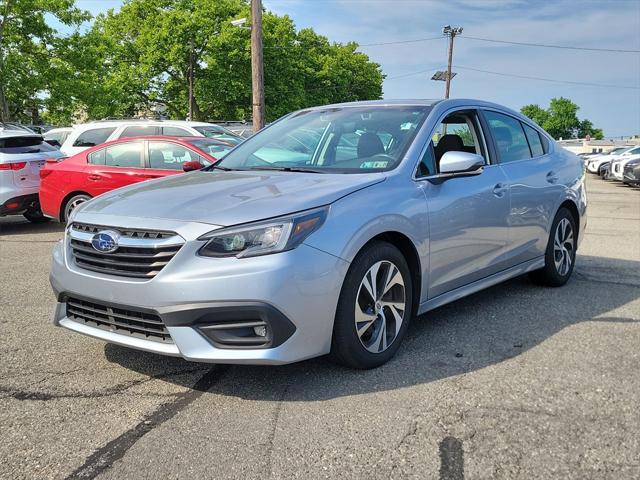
point(7, 133)
point(142, 121)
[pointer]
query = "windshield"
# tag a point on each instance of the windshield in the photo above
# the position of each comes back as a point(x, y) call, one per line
point(332, 140)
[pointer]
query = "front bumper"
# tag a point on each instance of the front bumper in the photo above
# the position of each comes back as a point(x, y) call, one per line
point(295, 293)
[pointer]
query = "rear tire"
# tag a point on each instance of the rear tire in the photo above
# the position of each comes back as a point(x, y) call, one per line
point(368, 331)
point(71, 205)
point(560, 256)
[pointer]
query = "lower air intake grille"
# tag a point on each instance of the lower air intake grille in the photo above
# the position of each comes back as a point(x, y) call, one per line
point(118, 320)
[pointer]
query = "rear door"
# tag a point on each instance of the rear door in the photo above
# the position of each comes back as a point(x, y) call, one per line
point(115, 166)
point(534, 176)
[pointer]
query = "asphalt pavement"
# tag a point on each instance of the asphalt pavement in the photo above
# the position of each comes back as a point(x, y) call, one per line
point(517, 381)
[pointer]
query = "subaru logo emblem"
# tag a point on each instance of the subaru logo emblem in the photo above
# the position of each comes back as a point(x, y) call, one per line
point(105, 241)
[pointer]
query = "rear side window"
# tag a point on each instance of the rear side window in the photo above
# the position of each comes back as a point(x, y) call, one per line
point(127, 154)
point(509, 137)
point(139, 131)
point(533, 137)
point(33, 144)
point(176, 132)
point(93, 137)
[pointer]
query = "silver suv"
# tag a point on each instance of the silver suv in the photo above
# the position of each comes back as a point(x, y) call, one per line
point(22, 155)
point(327, 232)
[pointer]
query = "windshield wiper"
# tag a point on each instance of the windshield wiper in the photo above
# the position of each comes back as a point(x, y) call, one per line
point(217, 167)
point(290, 169)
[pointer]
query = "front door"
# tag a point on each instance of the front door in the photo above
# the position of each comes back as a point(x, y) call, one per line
point(468, 216)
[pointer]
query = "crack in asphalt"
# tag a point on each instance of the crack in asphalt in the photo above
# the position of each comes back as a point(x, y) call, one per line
point(104, 457)
point(20, 394)
point(274, 427)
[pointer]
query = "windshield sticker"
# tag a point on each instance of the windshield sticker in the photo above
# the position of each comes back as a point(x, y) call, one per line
point(378, 164)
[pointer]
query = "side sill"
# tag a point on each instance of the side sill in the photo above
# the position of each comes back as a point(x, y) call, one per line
point(481, 284)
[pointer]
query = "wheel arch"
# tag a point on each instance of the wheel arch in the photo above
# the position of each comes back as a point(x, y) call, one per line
point(65, 200)
point(573, 209)
point(410, 253)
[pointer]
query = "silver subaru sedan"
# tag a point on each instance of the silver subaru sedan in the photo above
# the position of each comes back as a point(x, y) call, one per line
point(325, 233)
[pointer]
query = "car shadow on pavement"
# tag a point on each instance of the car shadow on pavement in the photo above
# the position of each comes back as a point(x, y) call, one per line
point(484, 329)
point(20, 226)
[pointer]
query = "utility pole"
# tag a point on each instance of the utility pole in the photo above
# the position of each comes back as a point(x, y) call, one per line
point(450, 32)
point(191, 80)
point(257, 73)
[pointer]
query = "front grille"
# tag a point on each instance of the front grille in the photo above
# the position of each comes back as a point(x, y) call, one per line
point(141, 254)
point(118, 320)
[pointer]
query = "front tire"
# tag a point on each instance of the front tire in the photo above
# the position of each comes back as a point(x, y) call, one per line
point(560, 256)
point(374, 308)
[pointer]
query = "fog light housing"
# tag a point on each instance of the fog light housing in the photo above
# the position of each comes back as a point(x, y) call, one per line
point(261, 331)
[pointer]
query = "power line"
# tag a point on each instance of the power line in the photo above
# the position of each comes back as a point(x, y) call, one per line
point(400, 41)
point(566, 47)
point(409, 74)
point(569, 82)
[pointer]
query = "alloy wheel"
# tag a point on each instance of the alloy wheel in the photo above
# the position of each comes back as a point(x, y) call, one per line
point(563, 247)
point(73, 204)
point(380, 306)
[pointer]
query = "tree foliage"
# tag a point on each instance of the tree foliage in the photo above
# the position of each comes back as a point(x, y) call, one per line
point(30, 65)
point(128, 61)
point(561, 119)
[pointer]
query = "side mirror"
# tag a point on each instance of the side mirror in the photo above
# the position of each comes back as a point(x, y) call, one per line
point(458, 164)
point(190, 166)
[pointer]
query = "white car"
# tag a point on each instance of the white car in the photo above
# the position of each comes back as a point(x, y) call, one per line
point(596, 162)
point(22, 155)
point(57, 136)
point(91, 134)
point(616, 169)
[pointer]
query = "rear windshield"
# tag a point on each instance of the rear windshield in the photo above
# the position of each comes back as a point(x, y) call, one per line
point(24, 145)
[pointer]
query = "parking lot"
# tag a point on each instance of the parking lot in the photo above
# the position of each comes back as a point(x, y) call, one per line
point(517, 381)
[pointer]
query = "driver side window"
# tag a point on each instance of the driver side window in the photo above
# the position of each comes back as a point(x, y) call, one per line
point(457, 132)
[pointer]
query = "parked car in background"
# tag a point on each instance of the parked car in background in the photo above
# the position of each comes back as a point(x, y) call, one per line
point(596, 162)
point(273, 259)
point(631, 173)
point(618, 163)
point(15, 126)
point(95, 133)
point(103, 168)
point(22, 155)
point(57, 136)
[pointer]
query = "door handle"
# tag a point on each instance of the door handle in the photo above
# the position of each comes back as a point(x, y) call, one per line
point(499, 189)
point(552, 177)
point(94, 177)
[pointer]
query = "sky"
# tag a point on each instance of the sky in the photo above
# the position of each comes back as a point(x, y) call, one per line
point(603, 24)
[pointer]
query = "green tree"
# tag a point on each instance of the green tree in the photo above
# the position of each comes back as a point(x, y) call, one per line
point(146, 46)
point(536, 113)
point(29, 62)
point(561, 119)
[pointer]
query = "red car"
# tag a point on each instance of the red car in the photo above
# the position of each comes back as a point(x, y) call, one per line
point(66, 184)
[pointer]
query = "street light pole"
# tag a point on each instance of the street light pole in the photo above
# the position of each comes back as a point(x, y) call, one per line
point(257, 73)
point(450, 32)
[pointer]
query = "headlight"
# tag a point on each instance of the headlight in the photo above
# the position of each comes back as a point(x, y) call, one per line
point(262, 238)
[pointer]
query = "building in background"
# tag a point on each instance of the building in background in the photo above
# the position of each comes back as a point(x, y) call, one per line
point(587, 145)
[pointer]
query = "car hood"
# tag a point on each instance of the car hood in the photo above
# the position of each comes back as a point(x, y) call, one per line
point(228, 198)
